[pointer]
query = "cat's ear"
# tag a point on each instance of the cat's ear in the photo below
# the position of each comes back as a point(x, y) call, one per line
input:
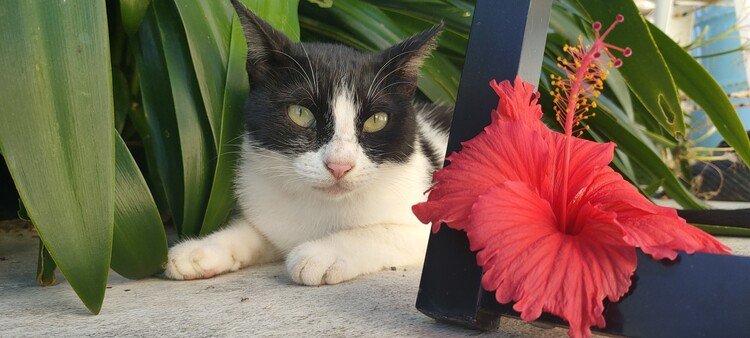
point(406, 57)
point(266, 46)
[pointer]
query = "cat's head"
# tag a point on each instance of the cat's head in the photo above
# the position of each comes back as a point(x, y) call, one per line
point(327, 117)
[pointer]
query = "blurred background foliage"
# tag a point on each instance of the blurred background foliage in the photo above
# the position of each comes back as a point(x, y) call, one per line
point(124, 116)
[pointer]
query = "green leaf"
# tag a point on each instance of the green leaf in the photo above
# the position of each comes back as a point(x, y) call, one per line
point(139, 244)
point(457, 15)
point(720, 230)
point(156, 123)
point(45, 267)
point(322, 3)
point(702, 88)
point(658, 94)
point(320, 28)
point(207, 31)
point(451, 40)
point(282, 15)
point(639, 152)
point(194, 133)
point(56, 122)
point(121, 96)
point(132, 13)
point(221, 200)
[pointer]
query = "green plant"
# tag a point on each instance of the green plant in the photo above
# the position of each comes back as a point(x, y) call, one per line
point(122, 115)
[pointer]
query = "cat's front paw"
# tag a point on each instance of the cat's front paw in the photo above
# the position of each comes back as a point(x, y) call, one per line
point(314, 264)
point(197, 259)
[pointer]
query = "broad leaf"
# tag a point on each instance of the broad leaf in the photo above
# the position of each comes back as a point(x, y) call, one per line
point(56, 125)
point(139, 244)
point(658, 94)
point(207, 31)
point(156, 122)
point(194, 132)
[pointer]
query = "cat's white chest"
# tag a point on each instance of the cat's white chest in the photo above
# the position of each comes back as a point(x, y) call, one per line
point(288, 218)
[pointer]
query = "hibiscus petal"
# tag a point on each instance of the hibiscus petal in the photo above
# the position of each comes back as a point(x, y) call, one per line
point(662, 236)
point(658, 231)
point(527, 258)
point(518, 102)
point(503, 151)
point(586, 157)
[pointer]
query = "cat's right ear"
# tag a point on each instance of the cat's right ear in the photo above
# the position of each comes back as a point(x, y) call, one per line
point(266, 47)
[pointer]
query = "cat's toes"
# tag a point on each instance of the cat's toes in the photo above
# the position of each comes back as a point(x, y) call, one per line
point(194, 260)
point(313, 264)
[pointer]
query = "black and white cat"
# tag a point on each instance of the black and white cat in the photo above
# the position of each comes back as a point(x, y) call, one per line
point(334, 156)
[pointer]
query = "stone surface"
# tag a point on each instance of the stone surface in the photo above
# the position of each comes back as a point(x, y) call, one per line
point(255, 301)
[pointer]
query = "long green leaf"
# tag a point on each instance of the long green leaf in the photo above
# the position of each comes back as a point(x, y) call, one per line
point(121, 96)
point(132, 13)
point(456, 14)
point(638, 151)
point(718, 230)
point(207, 31)
point(282, 15)
point(221, 200)
point(56, 121)
point(156, 122)
point(658, 94)
point(139, 244)
point(194, 132)
point(701, 87)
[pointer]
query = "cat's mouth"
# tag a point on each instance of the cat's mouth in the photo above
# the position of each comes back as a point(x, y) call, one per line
point(334, 190)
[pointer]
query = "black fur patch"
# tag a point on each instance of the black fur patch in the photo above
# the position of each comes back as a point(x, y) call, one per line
point(431, 153)
point(440, 117)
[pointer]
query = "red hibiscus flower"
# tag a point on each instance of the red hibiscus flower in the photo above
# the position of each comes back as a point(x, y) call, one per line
point(554, 227)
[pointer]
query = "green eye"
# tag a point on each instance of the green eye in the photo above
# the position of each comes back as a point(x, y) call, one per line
point(301, 116)
point(375, 123)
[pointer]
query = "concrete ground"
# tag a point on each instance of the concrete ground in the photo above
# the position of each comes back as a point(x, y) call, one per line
point(258, 301)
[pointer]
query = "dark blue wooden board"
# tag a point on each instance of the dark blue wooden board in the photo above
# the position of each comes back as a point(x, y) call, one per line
point(696, 296)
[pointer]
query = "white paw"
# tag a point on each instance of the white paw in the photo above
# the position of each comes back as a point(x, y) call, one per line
point(315, 264)
point(197, 259)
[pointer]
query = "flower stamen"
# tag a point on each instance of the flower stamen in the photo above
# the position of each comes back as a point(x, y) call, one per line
point(574, 93)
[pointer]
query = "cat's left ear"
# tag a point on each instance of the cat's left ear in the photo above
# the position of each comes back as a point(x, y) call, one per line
point(406, 57)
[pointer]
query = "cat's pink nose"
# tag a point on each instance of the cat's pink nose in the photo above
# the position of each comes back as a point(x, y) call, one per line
point(339, 169)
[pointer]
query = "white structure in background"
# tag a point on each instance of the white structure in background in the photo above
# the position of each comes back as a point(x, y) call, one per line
point(682, 20)
point(742, 9)
point(663, 13)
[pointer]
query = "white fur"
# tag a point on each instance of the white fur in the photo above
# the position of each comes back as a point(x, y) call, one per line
point(328, 231)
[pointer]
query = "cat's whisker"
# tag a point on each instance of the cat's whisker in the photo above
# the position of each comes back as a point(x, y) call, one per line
point(389, 74)
point(382, 91)
point(307, 77)
point(369, 90)
point(312, 71)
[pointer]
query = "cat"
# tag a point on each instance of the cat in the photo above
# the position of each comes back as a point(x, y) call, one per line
point(335, 153)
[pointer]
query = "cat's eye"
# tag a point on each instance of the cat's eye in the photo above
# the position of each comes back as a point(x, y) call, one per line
point(375, 123)
point(301, 116)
